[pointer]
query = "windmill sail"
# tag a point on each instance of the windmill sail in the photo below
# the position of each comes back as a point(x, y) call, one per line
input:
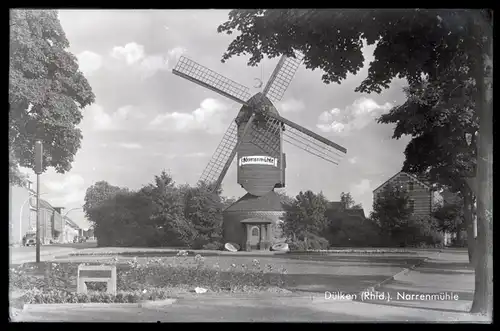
point(214, 168)
point(300, 137)
point(282, 76)
point(205, 77)
point(224, 155)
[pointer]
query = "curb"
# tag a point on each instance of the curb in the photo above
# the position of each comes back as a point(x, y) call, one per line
point(59, 306)
point(393, 277)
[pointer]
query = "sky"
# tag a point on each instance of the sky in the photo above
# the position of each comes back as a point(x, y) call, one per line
point(145, 119)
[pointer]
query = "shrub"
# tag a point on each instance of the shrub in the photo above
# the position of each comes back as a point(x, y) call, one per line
point(309, 241)
point(214, 246)
point(63, 296)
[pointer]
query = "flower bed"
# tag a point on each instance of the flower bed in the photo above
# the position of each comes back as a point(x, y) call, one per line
point(154, 279)
point(356, 251)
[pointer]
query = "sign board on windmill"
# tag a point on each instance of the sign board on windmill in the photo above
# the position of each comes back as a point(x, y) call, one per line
point(260, 160)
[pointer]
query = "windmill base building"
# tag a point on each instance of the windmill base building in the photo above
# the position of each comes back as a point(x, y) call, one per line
point(253, 222)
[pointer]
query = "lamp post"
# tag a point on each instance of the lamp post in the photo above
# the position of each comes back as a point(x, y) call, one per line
point(38, 171)
point(76, 208)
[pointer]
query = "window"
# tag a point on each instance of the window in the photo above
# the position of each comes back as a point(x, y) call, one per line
point(411, 204)
point(410, 186)
point(255, 231)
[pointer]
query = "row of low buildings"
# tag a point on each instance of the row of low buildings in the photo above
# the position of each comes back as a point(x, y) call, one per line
point(54, 227)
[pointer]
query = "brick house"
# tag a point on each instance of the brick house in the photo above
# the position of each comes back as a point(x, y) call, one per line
point(422, 197)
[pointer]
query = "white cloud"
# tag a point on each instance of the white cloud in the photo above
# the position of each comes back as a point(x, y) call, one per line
point(176, 52)
point(131, 52)
point(102, 121)
point(353, 160)
point(188, 155)
point(66, 191)
point(208, 118)
point(360, 188)
point(89, 62)
point(291, 106)
point(198, 154)
point(133, 55)
point(130, 145)
point(152, 64)
point(353, 117)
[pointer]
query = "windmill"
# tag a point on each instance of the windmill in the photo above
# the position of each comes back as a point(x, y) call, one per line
point(256, 135)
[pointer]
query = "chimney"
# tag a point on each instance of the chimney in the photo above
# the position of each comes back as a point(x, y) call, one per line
point(59, 210)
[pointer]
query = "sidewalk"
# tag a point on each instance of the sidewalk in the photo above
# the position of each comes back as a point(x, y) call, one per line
point(251, 309)
point(447, 273)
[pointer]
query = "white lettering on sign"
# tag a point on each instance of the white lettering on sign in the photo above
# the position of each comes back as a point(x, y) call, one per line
point(263, 160)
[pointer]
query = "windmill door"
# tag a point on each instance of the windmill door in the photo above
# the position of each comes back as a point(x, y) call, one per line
point(254, 237)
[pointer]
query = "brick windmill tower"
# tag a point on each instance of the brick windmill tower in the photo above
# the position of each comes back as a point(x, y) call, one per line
point(256, 137)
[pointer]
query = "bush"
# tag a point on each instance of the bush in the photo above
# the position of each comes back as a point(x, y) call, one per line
point(309, 242)
point(63, 296)
point(214, 246)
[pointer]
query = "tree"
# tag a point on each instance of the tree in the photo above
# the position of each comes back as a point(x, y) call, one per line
point(284, 197)
point(306, 214)
point(204, 212)
point(441, 119)
point(391, 212)
point(168, 211)
point(46, 92)
point(125, 218)
point(96, 195)
point(411, 43)
point(347, 230)
point(449, 216)
point(98, 199)
point(226, 202)
point(347, 202)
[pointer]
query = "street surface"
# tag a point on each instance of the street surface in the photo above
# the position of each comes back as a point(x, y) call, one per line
point(25, 254)
point(230, 309)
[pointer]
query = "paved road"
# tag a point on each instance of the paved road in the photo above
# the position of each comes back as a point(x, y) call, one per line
point(27, 254)
point(209, 309)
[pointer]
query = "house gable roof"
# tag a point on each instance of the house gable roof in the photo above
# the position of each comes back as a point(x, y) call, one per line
point(249, 202)
point(418, 180)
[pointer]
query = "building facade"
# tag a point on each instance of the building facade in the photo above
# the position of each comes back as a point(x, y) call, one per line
point(422, 197)
point(23, 213)
point(252, 222)
point(71, 230)
point(20, 213)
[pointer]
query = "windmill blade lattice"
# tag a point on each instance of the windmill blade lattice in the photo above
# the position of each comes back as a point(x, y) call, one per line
point(210, 79)
point(265, 135)
point(214, 168)
point(298, 136)
point(282, 76)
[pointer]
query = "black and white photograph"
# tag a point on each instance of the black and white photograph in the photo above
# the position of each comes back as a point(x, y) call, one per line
point(251, 165)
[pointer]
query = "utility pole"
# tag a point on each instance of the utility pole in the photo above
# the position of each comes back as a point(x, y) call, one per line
point(38, 171)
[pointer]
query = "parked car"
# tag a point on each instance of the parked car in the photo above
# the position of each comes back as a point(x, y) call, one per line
point(79, 240)
point(29, 239)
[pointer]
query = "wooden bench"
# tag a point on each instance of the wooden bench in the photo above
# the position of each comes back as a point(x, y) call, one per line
point(96, 273)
